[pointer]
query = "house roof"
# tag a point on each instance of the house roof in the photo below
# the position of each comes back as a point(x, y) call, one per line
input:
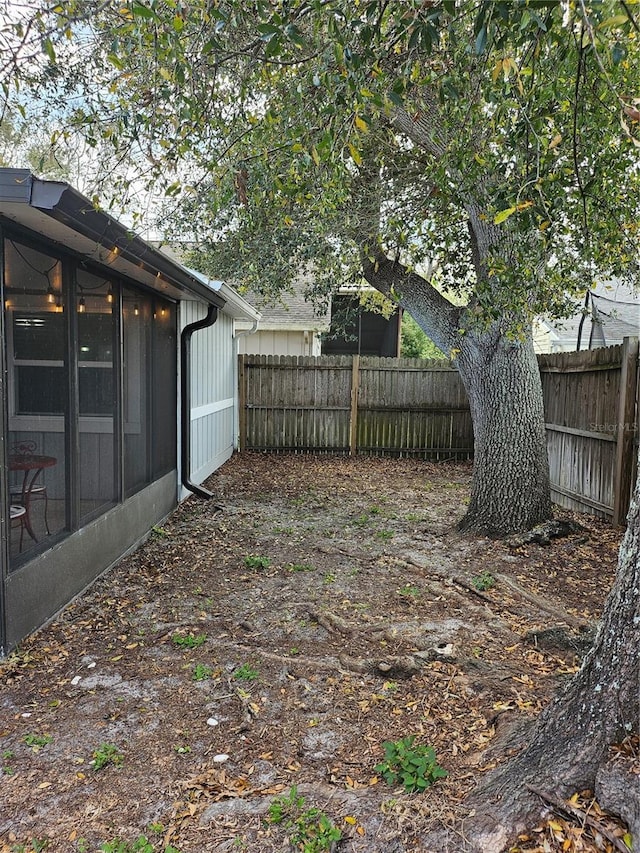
point(57, 211)
point(613, 311)
point(290, 311)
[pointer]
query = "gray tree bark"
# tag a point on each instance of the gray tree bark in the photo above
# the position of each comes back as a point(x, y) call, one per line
point(510, 490)
point(599, 707)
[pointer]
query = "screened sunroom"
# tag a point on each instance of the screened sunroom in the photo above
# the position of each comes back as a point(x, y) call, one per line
point(94, 414)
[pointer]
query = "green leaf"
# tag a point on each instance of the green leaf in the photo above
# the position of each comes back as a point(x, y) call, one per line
point(141, 11)
point(481, 41)
point(49, 50)
point(504, 214)
point(613, 22)
point(355, 155)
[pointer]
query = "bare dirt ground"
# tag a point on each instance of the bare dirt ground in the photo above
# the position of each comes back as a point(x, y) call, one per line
point(329, 607)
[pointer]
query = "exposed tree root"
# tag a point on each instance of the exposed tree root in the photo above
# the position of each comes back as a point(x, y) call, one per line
point(579, 815)
point(541, 603)
point(618, 790)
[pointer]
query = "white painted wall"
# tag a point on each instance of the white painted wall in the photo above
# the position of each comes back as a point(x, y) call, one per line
point(280, 342)
point(213, 392)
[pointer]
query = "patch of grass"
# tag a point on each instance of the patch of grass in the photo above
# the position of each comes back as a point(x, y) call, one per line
point(201, 672)
point(300, 567)
point(105, 754)
point(283, 531)
point(329, 578)
point(362, 520)
point(182, 749)
point(411, 765)
point(159, 532)
point(483, 581)
point(255, 562)
point(141, 845)
point(188, 641)
point(384, 534)
point(309, 829)
point(245, 672)
point(409, 590)
point(36, 742)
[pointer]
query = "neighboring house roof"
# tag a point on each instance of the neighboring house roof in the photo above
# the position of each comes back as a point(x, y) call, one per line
point(610, 313)
point(290, 311)
point(55, 210)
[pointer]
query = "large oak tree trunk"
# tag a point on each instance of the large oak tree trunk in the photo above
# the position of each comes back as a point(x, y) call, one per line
point(599, 707)
point(510, 488)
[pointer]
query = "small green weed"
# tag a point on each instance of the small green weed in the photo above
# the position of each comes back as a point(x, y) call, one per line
point(188, 641)
point(159, 532)
point(483, 581)
point(36, 845)
point(409, 591)
point(385, 535)
point(329, 578)
point(36, 742)
point(107, 753)
point(201, 672)
point(141, 845)
point(182, 749)
point(7, 755)
point(310, 830)
point(362, 520)
point(254, 562)
point(300, 567)
point(245, 672)
point(411, 765)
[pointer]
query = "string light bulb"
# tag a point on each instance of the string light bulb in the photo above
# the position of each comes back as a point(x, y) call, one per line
point(136, 309)
point(82, 306)
point(110, 295)
point(51, 295)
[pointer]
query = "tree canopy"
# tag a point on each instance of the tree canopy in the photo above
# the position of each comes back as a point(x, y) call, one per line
point(321, 131)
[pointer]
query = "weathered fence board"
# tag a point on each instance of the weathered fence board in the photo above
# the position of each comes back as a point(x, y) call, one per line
point(590, 400)
point(353, 404)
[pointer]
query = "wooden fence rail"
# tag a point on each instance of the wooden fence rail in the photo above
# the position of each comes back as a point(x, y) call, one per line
point(415, 407)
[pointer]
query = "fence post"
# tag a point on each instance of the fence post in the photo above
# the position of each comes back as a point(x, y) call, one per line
point(353, 420)
point(242, 404)
point(625, 433)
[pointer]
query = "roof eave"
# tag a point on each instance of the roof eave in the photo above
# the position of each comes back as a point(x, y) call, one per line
point(67, 206)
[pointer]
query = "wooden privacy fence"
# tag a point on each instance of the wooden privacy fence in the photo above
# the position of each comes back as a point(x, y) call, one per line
point(353, 404)
point(591, 413)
